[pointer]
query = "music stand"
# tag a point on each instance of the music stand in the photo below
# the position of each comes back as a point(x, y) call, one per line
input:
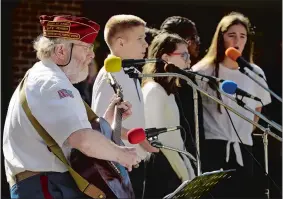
point(200, 185)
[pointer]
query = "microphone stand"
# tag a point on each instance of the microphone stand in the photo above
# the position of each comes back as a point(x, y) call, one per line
point(156, 143)
point(139, 75)
point(264, 137)
point(242, 70)
point(265, 146)
point(273, 124)
point(133, 73)
point(195, 96)
point(243, 105)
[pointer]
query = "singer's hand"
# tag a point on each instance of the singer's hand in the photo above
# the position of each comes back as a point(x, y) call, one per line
point(127, 157)
point(147, 146)
point(127, 109)
point(109, 113)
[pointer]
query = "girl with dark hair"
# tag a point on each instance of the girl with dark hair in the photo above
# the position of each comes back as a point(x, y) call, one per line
point(228, 138)
point(186, 29)
point(167, 169)
point(150, 33)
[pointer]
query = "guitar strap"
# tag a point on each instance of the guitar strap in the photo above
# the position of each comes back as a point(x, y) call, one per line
point(87, 188)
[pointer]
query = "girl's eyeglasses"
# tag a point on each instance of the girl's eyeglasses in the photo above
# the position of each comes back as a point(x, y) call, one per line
point(184, 55)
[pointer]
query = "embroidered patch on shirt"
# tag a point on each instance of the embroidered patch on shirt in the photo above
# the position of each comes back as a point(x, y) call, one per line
point(65, 93)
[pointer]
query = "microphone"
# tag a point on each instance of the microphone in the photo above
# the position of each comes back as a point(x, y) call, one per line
point(115, 64)
point(231, 87)
point(192, 75)
point(152, 132)
point(235, 55)
point(138, 135)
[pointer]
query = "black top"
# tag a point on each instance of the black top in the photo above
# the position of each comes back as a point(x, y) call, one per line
point(185, 102)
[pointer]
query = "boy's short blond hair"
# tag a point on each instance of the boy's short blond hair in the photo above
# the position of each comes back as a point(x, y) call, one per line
point(119, 23)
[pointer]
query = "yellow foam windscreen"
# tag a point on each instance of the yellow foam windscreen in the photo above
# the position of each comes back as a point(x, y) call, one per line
point(113, 64)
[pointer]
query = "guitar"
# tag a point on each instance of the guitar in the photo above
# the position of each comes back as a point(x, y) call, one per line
point(110, 177)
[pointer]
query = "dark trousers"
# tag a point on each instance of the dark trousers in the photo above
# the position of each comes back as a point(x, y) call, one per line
point(47, 185)
point(242, 183)
point(137, 177)
point(160, 178)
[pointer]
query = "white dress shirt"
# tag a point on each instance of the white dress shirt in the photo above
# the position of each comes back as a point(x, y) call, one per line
point(58, 107)
point(161, 111)
point(217, 125)
point(102, 95)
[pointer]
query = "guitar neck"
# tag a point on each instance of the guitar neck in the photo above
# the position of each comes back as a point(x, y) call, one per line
point(117, 125)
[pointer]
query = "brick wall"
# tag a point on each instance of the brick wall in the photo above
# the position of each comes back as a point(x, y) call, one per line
point(26, 27)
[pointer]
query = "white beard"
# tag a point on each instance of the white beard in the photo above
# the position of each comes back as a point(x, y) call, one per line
point(82, 75)
point(74, 73)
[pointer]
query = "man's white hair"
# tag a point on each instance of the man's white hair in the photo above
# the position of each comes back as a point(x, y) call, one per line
point(45, 46)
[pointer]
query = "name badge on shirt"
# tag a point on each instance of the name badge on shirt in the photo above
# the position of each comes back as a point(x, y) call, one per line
point(65, 93)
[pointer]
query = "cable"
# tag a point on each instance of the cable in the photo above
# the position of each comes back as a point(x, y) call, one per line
point(190, 132)
point(144, 181)
point(181, 107)
point(188, 124)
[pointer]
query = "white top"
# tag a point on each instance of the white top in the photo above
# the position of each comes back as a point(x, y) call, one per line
point(102, 95)
point(57, 106)
point(218, 126)
point(161, 111)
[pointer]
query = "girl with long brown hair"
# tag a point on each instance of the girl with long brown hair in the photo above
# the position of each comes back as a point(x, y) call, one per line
point(228, 138)
point(167, 169)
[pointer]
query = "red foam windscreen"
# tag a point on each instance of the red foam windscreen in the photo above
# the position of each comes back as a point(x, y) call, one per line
point(136, 135)
point(232, 53)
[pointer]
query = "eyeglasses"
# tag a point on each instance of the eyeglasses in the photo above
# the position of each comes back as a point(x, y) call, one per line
point(89, 47)
point(184, 55)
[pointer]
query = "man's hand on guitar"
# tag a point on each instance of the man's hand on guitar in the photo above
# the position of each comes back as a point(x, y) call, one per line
point(128, 157)
point(125, 106)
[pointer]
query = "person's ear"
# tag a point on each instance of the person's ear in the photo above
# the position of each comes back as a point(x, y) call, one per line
point(165, 57)
point(61, 51)
point(121, 42)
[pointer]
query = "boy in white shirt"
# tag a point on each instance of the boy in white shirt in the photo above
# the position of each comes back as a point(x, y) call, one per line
point(125, 37)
